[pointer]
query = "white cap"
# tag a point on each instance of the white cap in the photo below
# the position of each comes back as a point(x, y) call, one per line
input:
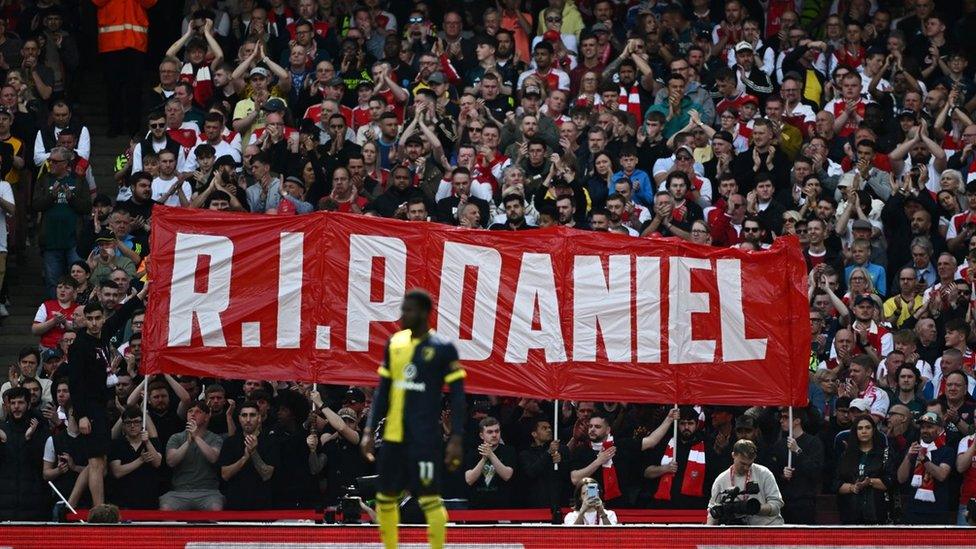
point(860, 404)
point(743, 46)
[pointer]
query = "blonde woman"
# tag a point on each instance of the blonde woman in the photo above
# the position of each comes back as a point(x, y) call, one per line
point(858, 282)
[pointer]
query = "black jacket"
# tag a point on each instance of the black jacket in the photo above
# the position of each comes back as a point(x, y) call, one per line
point(23, 492)
point(89, 358)
point(542, 485)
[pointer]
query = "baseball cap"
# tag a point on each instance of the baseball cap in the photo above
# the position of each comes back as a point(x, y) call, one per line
point(930, 417)
point(748, 98)
point(51, 354)
point(861, 298)
point(5, 111)
point(336, 81)
point(355, 395)
point(347, 413)
point(743, 46)
point(531, 90)
point(599, 27)
point(860, 403)
point(273, 105)
point(862, 224)
point(745, 422)
point(296, 180)
point(436, 78)
point(907, 113)
point(105, 235)
point(259, 71)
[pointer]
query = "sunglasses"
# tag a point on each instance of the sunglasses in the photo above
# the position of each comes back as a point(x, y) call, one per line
point(750, 229)
point(157, 126)
point(554, 19)
point(416, 20)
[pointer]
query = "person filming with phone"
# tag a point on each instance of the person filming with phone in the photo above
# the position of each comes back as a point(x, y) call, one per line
point(588, 507)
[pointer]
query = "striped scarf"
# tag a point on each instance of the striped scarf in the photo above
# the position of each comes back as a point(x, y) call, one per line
point(693, 481)
point(922, 481)
point(630, 101)
point(611, 486)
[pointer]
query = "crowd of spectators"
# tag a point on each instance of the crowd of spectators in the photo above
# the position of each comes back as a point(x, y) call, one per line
point(847, 124)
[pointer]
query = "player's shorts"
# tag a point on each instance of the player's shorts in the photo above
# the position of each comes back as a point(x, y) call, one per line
point(409, 467)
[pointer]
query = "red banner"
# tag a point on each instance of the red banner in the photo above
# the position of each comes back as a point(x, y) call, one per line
point(550, 313)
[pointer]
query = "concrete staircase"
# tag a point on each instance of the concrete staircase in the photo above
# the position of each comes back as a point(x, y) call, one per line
point(25, 271)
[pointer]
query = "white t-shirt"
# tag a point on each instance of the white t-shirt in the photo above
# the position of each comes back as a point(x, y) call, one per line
point(589, 518)
point(6, 193)
point(161, 186)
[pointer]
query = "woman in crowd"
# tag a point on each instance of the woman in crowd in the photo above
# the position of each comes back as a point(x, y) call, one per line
point(863, 476)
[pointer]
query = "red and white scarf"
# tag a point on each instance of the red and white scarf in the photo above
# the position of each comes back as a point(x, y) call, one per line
point(693, 481)
point(611, 488)
point(922, 481)
point(630, 101)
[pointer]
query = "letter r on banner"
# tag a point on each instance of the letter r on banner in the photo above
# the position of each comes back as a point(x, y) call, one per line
point(186, 303)
point(361, 310)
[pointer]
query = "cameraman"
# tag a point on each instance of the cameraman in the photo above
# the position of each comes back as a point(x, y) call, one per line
point(742, 472)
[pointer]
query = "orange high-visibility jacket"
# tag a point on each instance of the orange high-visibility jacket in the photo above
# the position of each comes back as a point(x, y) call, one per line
point(123, 24)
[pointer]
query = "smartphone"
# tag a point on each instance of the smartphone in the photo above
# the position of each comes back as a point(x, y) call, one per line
point(592, 490)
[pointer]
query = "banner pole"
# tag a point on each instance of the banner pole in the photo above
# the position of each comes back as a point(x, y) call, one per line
point(675, 435)
point(555, 427)
point(145, 401)
point(789, 453)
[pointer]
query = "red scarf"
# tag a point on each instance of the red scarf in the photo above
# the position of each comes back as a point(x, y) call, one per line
point(693, 481)
point(611, 488)
point(922, 481)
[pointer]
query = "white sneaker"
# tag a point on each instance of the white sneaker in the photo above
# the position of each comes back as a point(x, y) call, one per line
point(3, 311)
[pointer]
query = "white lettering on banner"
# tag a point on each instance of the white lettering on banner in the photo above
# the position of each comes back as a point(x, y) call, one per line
point(457, 257)
point(290, 261)
point(648, 309)
point(360, 309)
point(735, 346)
point(601, 302)
point(185, 303)
point(682, 302)
point(535, 288)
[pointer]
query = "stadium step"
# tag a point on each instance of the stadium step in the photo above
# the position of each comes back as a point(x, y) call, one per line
point(25, 271)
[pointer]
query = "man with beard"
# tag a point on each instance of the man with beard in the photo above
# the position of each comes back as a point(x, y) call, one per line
point(799, 482)
point(611, 462)
point(247, 462)
point(682, 472)
point(922, 154)
point(542, 483)
point(23, 495)
point(927, 467)
point(400, 191)
point(514, 205)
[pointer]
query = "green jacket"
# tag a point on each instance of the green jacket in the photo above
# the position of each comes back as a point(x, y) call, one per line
point(63, 204)
point(675, 124)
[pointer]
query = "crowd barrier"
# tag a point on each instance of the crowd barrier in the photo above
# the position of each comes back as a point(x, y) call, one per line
point(626, 516)
point(266, 536)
